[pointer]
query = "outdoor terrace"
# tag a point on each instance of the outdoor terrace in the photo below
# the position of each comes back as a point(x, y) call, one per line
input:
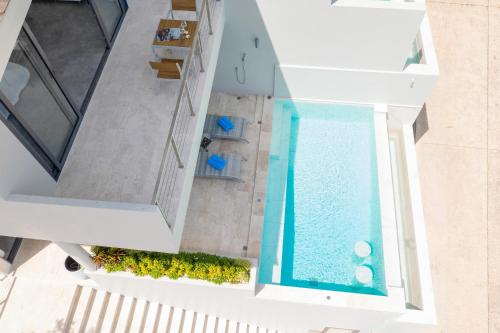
point(124, 137)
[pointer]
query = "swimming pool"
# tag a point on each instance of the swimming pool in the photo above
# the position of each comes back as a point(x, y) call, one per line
point(322, 198)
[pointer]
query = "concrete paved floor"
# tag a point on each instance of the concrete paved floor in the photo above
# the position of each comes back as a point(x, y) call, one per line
point(459, 162)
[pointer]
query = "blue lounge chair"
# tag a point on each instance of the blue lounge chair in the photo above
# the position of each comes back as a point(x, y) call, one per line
point(214, 131)
point(230, 171)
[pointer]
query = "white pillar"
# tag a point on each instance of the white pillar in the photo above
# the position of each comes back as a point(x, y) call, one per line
point(5, 267)
point(78, 253)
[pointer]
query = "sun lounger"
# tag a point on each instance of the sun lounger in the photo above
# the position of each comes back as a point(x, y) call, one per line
point(215, 131)
point(231, 171)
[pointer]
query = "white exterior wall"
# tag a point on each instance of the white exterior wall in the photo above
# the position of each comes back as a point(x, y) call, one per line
point(408, 87)
point(10, 25)
point(420, 242)
point(349, 34)
point(87, 222)
point(352, 34)
point(20, 172)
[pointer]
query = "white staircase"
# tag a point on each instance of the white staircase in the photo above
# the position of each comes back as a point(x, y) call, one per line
point(94, 311)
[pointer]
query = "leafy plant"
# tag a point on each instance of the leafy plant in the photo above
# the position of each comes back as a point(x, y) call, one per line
point(198, 266)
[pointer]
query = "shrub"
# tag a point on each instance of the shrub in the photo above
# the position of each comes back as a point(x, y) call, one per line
point(198, 266)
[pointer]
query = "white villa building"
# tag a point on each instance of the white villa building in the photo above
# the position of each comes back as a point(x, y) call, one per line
point(103, 110)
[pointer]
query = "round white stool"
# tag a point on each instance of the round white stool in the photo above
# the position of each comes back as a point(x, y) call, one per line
point(364, 274)
point(362, 249)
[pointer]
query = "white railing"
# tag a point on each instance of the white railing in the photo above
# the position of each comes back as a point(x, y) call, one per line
point(177, 140)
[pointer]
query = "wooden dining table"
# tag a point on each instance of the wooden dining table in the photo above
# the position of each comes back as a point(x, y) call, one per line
point(176, 43)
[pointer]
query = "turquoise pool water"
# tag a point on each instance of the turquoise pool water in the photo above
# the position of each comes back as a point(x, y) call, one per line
point(321, 198)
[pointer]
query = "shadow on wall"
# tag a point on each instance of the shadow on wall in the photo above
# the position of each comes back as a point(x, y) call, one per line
point(247, 57)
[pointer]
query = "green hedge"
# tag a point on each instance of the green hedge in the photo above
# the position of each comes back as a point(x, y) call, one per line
point(199, 266)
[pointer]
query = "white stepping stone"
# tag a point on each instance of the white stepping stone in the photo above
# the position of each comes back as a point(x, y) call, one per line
point(362, 249)
point(364, 274)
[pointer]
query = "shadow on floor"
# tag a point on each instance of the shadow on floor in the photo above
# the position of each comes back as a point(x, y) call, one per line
point(60, 327)
point(421, 124)
point(3, 302)
point(29, 248)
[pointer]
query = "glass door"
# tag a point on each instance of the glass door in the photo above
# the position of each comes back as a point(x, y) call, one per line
point(109, 13)
point(32, 96)
point(71, 42)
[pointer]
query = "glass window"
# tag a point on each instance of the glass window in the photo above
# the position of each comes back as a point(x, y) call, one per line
point(36, 103)
point(110, 13)
point(71, 41)
point(4, 113)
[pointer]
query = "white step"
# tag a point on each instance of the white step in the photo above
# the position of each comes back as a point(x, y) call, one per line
point(114, 309)
point(201, 323)
point(243, 328)
point(128, 308)
point(170, 319)
point(145, 316)
point(177, 320)
point(92, 311)
point(80, 309)
point(137, 321)
point(88, 305)
point(189, 321)
point(163, 320)
point(213, 324)
point(96, 313)
point(119, 312)
point(252, 329)
point(232, 326)
point(68, 323)
point(222, 325)
point(152, 318)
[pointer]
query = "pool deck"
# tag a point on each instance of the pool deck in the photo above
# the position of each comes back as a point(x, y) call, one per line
point(459, 165)
point(226, 217)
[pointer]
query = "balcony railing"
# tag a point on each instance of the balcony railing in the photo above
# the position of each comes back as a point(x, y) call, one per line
point(185, 109)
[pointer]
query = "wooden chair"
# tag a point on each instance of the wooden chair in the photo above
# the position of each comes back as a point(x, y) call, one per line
point(168, 68)
point(182, 5)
